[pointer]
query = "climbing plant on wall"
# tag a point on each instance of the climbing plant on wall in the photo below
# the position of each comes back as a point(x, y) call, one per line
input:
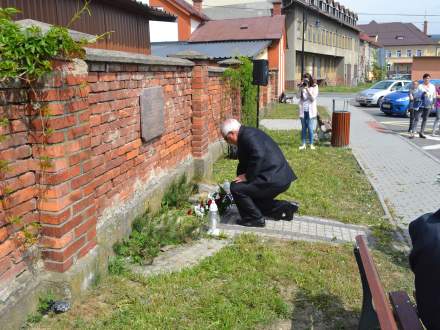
point(241, 78)
point(26, 56)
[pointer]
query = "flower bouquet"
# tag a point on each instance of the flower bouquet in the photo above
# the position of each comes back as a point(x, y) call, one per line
point(222, 197)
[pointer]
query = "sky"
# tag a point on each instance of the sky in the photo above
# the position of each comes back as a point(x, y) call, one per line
point(397, 7)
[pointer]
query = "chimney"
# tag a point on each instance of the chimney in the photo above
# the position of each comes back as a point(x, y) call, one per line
point(197, 4)
point(276, 9)
point(425, 27)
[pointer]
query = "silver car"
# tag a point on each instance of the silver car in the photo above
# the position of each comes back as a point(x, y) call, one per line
point(375, 94)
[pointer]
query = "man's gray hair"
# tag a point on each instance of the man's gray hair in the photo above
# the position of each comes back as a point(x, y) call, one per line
point(230, 125)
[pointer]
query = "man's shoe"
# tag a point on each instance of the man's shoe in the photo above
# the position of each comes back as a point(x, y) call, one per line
point(422, 136)
point(253, 223)
point(312, 147)
point(303, 147)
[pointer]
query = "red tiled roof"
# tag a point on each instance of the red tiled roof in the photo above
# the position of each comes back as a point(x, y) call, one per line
point(396, 34)
point(365, 37)
point(189, 8)
point(255, 28)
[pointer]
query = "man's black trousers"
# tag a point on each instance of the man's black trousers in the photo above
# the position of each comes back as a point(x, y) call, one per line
point(255, 201)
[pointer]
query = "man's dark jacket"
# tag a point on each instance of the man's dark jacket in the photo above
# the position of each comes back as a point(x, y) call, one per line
point(425, 263)
point(261, 159)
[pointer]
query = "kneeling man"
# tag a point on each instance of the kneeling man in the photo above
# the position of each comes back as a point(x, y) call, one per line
point(262, 174)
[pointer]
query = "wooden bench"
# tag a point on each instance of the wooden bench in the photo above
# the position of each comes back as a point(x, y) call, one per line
point(378, 312)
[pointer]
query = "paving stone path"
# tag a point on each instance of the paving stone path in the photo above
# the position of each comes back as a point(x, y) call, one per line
point(404, 176)
point(180, 257)
point(281, 124)
point(300, 228)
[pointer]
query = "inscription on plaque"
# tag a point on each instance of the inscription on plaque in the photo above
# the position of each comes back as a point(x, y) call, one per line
point(152, 113)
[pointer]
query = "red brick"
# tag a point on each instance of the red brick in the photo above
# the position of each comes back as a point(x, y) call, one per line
point(3, 234)
point(85, 249)
point(100, 108)
point(93, 163)
point(6, 247)
point(89, 224)
point(57, 191)
point(12, 272)
point(5, 264)
point(101, 190)
point(66, 253)
point(54, 109)
point(79, 157)
point(38, 137)
point(64, 228)
point(76, 106)
point(77, 132)
point(83, 204)
point(55, 205)
point(62, 176)
point(81, 180)
point(21, 196)
point(23, 208)
point(20, 182)
point(55, 218)
point(53, 151)
point(59, 267)
point(57, 243)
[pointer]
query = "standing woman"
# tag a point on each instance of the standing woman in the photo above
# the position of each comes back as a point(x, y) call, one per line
point(437, 115)
point(428, 98)
point(412, 107)
point(308, 110)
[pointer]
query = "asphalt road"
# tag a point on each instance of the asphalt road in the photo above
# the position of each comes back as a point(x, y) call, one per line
point(400, 125)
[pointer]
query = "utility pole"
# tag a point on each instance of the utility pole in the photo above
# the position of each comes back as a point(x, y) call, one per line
point(304, 22)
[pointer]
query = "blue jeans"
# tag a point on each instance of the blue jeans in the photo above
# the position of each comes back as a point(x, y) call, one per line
point(307, 123)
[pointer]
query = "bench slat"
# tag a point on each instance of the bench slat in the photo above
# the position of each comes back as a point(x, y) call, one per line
point(380, 301)
point(405, 311)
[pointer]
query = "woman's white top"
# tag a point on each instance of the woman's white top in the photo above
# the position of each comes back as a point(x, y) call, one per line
point(308, 101)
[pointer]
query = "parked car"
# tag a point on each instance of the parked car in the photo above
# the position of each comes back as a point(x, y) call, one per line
point(401, 76)
point(375, 94)
point(397, 103)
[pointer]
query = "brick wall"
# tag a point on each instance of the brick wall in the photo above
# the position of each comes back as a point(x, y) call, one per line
point(96, 146)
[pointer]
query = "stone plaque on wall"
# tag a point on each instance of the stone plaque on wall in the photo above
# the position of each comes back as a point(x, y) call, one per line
point(152, 113)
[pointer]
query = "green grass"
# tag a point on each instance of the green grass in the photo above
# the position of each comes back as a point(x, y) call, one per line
point(342, 89)
point(330, 182)
point(251, 284)
point(289, 111)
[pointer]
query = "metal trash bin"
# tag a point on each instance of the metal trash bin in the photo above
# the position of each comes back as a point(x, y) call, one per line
point(340, 127)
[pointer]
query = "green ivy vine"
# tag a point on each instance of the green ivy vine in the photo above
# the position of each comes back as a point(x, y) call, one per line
point(26, 56)
point(241, 79)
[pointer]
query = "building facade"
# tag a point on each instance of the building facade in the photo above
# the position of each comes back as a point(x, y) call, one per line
point(369, 54)
point(128, 20)
point(189, 17)
point(402, 43)
point(331, 42)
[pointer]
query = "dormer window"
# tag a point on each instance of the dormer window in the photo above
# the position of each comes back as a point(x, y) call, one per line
point(244, 27)
point(400, 37)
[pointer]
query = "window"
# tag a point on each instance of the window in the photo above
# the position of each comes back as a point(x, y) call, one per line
point(299, 29)
point(409, 52)
point(388, 53)
point(388, 67)
point(419, 52)
point(398, 53)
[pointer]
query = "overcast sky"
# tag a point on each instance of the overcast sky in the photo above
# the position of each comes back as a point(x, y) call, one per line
point(398, 7)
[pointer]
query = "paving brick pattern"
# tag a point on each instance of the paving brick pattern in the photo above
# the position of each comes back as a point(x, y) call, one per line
point(404, 176)
point(300, 228)
point(281, 124)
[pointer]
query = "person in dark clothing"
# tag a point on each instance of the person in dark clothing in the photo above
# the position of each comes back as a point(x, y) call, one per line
point(425, 263)
point(262, 174)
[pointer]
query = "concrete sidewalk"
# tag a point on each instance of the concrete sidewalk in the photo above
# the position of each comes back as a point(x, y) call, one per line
point(403, 175)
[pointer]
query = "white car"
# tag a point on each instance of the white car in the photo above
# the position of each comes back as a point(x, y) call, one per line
point(375, 94)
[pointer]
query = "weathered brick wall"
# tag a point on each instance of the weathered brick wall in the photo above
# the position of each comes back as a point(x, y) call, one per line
point(119, 156)
point(221, 103)
point(18, 191)
point(96, 148)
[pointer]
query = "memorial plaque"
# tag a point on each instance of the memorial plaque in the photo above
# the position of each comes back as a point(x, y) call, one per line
point(152, 113)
